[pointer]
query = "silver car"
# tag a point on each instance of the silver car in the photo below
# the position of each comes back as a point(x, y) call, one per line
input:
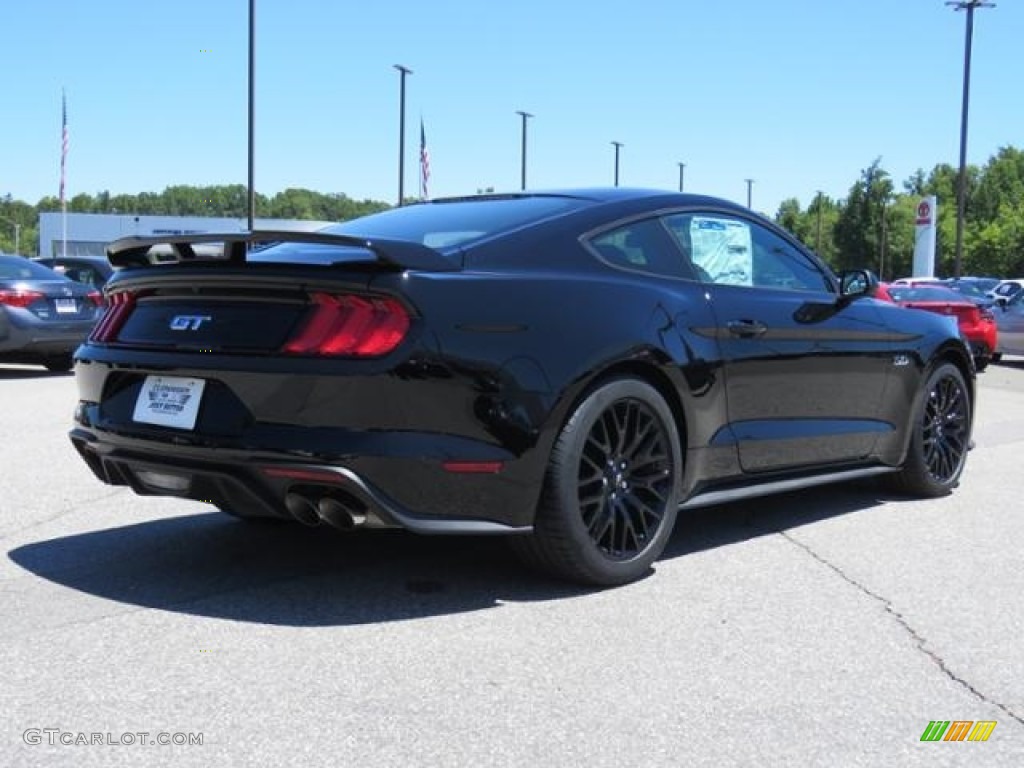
point(43, 315)
point(1010, 321)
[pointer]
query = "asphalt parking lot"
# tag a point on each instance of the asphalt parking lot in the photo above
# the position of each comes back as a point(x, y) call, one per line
point(817, 628)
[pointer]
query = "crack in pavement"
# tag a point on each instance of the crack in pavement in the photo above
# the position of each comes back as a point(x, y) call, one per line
point(919, 641)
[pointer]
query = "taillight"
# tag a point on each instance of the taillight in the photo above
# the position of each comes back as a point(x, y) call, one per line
point(19, 298)
point(350, 325)
point(986, 315)
point(96, 298)
point(119, 307)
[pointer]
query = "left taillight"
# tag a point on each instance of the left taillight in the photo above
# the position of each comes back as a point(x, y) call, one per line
point(19, 298)
point(350, 326)
point(119, 307)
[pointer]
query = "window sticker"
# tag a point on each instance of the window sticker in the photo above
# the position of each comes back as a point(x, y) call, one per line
point(723, 249)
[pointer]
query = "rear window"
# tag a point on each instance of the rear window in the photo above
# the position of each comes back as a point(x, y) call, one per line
point(17, 268)
point(453, 223)
point(924, 293)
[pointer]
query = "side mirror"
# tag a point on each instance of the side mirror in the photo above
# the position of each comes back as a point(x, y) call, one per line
point(857, 283)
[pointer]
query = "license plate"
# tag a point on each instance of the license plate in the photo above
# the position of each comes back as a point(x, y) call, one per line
point(66, 306)
point(170, 401)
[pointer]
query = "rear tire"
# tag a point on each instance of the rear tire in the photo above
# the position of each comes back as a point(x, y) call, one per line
point(59, 363)
point(940, 425)
point(611, 489)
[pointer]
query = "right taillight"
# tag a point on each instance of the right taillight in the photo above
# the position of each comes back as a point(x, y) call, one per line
point(350, 326)
point(119, 307)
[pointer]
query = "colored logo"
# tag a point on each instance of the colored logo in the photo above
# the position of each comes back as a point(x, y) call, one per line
point(958, 730)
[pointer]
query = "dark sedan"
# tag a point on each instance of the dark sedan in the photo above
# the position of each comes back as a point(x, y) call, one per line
point(568, 368)
point(43, 315)
point(91, 270)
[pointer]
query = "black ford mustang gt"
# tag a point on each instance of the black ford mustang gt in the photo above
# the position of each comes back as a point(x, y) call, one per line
point(573, 368)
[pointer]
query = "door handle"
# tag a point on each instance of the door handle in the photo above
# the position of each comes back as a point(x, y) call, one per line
point(746, 328)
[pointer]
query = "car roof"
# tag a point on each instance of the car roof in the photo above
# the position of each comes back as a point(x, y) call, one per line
point(603, 195)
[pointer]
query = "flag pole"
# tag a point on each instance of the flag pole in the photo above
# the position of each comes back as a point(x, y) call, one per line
point(63, 159)
point(424, 164)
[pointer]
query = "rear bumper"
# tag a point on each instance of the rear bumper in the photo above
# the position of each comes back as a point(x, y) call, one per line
point(31, 338)
point(376, 489)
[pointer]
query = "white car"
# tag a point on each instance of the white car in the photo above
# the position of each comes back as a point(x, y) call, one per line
point(1007, 289)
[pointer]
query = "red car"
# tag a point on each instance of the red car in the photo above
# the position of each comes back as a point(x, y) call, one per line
point(977, 325)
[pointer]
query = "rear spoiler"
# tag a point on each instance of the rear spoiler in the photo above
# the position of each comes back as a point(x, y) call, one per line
point(135, 251)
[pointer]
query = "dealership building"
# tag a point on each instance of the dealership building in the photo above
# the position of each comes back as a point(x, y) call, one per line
point(88, 234)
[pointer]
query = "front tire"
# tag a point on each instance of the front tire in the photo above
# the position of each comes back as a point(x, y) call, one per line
point(940, 425)
point(611, 489)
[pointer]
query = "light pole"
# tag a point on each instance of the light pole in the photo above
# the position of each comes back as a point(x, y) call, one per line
point(961, 184)
point(817, 235)
point(403, 71)
point(682, 170)
point(750, 188)
point(522, 163)
point(252, 87)
point(17, 234)
point(618, 145)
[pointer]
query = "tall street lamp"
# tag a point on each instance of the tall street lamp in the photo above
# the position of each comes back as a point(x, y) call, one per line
point(403, 71)
point(522, 156)
point(682, 170)
point(251, 208)
point(961, 185)
point(618, 145)
point(750, 188)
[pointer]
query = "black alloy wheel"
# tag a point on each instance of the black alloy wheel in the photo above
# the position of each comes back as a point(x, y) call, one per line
point(941, 435)
point(624, 479)
point(944, 428)
point(611, 491)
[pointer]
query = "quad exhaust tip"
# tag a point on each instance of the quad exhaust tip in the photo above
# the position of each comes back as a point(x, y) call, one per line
point(337, 514)
point(302, 508)
point(312, 512)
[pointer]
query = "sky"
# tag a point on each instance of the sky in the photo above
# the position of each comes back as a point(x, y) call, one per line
point(798, 95)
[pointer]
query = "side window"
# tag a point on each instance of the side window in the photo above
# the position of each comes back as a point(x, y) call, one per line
point(777, 264)
point(643, 246)
point(731, 251)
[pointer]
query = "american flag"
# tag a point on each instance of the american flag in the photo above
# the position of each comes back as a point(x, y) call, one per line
point(424, 165)
point(63, 141)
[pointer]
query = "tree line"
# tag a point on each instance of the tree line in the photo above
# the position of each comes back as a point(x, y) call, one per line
point(872, 227)
point(228, 201)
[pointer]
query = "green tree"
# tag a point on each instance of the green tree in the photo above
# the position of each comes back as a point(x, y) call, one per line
point(858, 231)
